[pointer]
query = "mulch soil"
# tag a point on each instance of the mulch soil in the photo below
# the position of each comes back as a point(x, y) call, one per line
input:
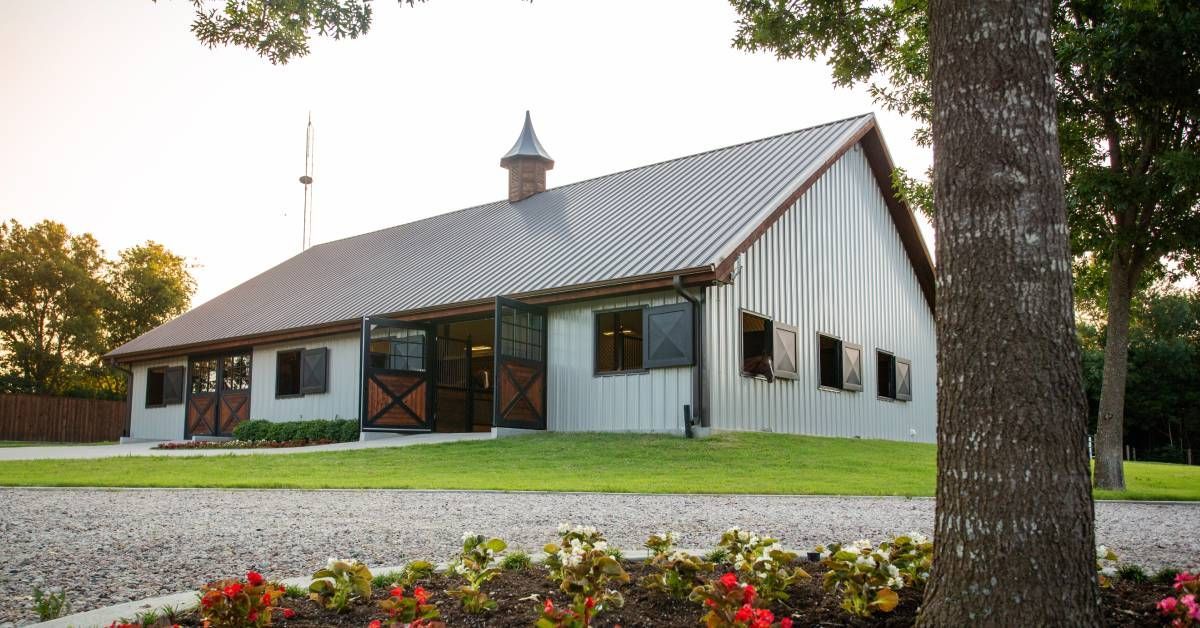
point(1126, 604)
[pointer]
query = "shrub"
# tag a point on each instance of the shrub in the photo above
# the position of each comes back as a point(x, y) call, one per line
point(1106, 566)
point(1133, 573)
point(314, 430)
point(1183, 611)
point(1166, 575)
point(676, 574)
point(761, 561)
point(733, 604)
point(236, 603)
point(50, 605)
point(252, 430)
point(411, 573)
point(869, 576)
point(474, 565)
point(516, 560)
point(584, 568)
point(413, 612)
point(340, 583)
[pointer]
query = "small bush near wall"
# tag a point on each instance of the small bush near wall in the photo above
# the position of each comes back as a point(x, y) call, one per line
point(336, 430)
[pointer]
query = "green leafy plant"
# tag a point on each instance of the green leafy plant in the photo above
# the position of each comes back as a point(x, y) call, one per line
point(1166, 575)
point(869, 576)
point(516, 560)
point(409, 612)
point(579, 615)
point(734, 604)
point(339, 584)
point(717, 556)
point(313, 430)
point(412, 572)
point(661, 543)
point(474, 565)
point(583, 567)
point(676, 574)
point(147, 618)
point(1133, 573)
point(762, 562)
point(50, 605)
point(293, 592)
point(236, 603)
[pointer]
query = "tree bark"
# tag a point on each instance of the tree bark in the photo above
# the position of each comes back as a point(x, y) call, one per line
point(1014, 540)
point(1110, 420)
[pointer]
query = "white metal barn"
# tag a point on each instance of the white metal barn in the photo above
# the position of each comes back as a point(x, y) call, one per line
point(773, 285)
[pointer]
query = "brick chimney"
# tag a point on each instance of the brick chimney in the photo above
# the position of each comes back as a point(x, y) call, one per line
point(527, 163)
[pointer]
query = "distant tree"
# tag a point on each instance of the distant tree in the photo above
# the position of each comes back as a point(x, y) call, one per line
point(1128, 90)
point(1012, 466)
point(147, 286)
point(51, 295)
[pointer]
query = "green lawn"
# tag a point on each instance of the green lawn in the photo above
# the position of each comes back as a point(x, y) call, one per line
point(727, 463)
point(25, 443)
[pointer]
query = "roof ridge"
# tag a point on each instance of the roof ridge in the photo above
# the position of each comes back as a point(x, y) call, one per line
point(610, 174)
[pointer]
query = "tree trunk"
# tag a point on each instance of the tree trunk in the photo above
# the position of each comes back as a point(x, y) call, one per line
point(1110, 420)
point(1014, 542)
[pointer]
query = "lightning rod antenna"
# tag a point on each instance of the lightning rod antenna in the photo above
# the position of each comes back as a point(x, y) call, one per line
point(307, 180)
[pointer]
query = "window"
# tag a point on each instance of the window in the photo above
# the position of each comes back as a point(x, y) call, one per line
point(235, 372)
point(164, 386)
point(522, 334)
point(287, 373)
point(619, 341)
point(154, 387)
point(204, 376)
point(757, 346)
point(839, 364)
point(398, 348)
point(885, 368)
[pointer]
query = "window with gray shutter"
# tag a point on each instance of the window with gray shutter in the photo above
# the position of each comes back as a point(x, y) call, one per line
point(784, 353)
point(172, 391)
point(885, 374)
point(669, 340)
point(314, 370)
point(852, 370)
point(903, 380)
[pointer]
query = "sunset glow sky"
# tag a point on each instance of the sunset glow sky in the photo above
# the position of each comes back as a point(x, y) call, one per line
point(114, 120)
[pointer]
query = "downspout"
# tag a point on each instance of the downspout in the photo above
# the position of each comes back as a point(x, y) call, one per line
point(113, 364)
point(698, 411)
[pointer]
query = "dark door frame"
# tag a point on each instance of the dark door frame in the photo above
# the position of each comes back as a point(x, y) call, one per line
point(429, 422)
point(498, 412)
point(216, 393)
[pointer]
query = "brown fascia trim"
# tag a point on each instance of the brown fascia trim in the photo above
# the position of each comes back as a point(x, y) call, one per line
point(881, 166)
point(647, 283)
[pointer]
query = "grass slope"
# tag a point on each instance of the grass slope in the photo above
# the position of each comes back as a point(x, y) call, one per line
point(726, 463)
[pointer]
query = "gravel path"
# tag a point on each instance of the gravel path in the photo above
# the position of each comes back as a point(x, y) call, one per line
point(110, 546)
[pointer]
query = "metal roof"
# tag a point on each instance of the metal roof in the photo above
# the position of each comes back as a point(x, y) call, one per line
point(685, 213)
point(527, 145)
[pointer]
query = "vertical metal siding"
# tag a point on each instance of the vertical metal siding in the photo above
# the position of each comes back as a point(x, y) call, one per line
point(833, 264)
point(579, 401)
point(165, 423)
point(340, 399)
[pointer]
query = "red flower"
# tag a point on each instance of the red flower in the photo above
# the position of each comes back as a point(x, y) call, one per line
point(207, 600)
point(549, 607)
point(398, 592)
point(254, 578)
point(289, 613)
point(420, 594)
point(266, 598)
point(375, 624)
point(589, 603)
point(233, 590)
point(253, 616)
point(729, 580)
point(748, 593)
point(786, 622)
point(710, 602)
point(744, 614)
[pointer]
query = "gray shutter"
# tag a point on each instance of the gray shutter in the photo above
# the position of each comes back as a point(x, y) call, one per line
point(668, 334)
point(314, 370)
point(903, 380)
point(783, 354)
point(852, 367)
point(173, 385)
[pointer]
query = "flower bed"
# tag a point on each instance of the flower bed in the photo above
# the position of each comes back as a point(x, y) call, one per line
point(241, 444)
point(747, 581)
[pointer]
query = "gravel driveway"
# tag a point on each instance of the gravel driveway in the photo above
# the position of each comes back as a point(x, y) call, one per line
point(110, 546)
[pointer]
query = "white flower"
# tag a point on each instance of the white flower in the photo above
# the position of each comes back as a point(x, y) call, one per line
point(1101, 551)
point(600, 545)
point(1109, 571)
point(564, 528)
point(895, 583)
point(893, 571)
point(865, 561)
point(918, 538)
point(862, 544)
point(467, 536)
point(329, 564)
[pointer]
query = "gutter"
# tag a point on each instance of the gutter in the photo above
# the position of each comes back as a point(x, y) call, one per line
point(698, 413)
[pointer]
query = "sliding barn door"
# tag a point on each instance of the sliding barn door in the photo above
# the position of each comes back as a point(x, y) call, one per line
point(397, 375)
point(520, 389)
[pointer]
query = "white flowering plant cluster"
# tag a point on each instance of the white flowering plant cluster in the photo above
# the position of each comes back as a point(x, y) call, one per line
point(675, 573)
point(869, 576)
point(584, 568)
point(762, 562)
point(1106, 566)
point(340, 583)
point(476, 566)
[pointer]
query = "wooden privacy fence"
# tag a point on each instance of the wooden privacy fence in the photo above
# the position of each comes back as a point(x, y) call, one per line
point(60, 419)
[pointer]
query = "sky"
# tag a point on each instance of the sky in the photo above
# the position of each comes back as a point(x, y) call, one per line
point(115, 121)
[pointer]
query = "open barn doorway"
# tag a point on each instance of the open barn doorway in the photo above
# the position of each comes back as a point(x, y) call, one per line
point(465, 375)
